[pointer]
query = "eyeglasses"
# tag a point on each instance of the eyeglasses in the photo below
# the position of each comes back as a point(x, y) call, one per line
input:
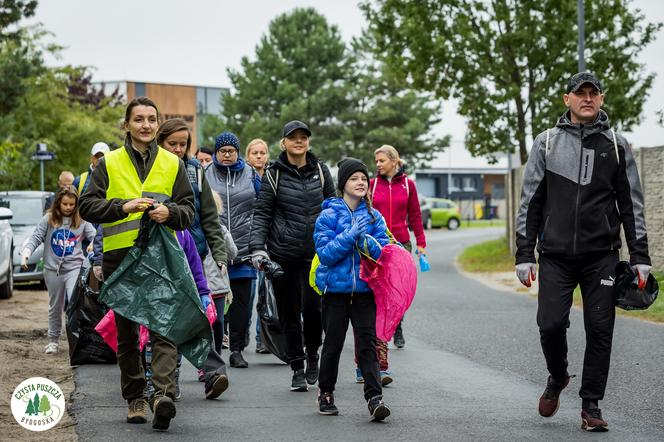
point(227, 152)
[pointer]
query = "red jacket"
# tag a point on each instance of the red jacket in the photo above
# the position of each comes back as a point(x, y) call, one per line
point(397, 201)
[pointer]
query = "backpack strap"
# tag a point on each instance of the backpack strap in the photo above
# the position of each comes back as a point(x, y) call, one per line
point(373, 190)
point(615, 146)
point(407, 189)
point(274, 181)
point(322, 177)
point(546, 145)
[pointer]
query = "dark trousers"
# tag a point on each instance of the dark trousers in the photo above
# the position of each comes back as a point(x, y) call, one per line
point(218, 325)
point(132, 376)
point(360, 309)
point(558, 277)
point(213, 364)
point(238, 313)
point(299, 311)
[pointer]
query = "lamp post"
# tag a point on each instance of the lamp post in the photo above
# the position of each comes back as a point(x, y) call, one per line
point(42, 155)
point(582, 34)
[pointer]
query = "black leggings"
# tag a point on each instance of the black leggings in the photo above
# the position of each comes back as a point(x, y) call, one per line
point(218, 325)
point(238, 313)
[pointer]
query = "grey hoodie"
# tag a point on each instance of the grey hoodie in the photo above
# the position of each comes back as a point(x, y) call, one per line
point(62, 245)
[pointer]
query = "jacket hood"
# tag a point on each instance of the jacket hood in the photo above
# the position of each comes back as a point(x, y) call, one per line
point(600, 124)
point(283, 163)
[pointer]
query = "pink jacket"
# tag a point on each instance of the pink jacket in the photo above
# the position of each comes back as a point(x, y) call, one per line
point(397, 201)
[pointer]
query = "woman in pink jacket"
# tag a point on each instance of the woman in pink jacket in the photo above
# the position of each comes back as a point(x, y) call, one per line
point(394, 195)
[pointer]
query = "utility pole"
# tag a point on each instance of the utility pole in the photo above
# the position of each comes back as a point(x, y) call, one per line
point(582, 34)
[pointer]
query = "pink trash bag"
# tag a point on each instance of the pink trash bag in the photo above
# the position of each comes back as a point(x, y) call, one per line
point(107, 329)
point(393, 279)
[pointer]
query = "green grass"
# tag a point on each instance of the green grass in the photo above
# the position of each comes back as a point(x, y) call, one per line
point(655, 313)
point(482, 223)
point(489, 256)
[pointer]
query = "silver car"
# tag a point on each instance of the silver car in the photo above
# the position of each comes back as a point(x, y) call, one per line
point(28, 207)
point(6, 246)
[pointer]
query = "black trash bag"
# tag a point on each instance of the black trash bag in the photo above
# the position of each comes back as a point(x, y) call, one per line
point(627, 292)
point(86, 346)
point(273, 336)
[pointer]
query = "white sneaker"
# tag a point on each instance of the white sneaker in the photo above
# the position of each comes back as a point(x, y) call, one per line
point(51, 348)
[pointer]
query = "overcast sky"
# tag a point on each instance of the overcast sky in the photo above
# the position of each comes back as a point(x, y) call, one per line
point(193, 42)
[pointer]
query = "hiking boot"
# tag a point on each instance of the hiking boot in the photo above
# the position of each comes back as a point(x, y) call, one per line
point(378, 409)
point(163, 409)
point(176, 378)
point(217, 384)
point(591, 420)
point(51, 348)
point(385, 378)
point(312, 369)
point(326, 404)
point(138, 411)
point(237, 361)
point(549, 402)
point(201, 375)
point(261, 349)
point(359, 379)
point(299, 382)
point(398, 338)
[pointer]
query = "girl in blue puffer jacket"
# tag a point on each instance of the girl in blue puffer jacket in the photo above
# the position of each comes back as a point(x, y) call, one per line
point(345, 225)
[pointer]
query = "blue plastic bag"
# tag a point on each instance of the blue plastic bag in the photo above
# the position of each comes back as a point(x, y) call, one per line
point(424, 263)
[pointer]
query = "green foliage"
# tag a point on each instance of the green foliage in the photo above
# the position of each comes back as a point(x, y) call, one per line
point(507, 62)
point(35, 402)
point(303, 70)
point(11, 12)
point(209, 127)
point(489, 256)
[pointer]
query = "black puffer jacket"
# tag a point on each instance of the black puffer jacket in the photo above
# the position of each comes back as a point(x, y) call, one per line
point(284, 222)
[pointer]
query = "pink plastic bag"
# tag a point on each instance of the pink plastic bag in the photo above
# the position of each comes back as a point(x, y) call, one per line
point(108, 330)
point(211, 313)
point(393, 279)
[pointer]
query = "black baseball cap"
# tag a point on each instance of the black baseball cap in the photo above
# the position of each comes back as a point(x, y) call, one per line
point(578, 80)
point(294, 125)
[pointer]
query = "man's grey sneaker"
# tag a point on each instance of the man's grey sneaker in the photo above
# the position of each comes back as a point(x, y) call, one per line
point(377, 409)
point(326, 404)
point(163, 409)
point(398, 338)
point(549, 402)
point(262, 350)
point(299, 382)
point(176, 378)
point(138, 411)
point(312, 369)
point(591, 420)
point(237, 361)
point(216, 385)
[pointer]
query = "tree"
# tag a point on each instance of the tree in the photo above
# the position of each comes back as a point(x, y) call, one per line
point(507, 61)
point(31, 408)
point(81, 90)
point(11, 12)
point(44, 405)
point(35, 402)
point(298, 67)
point(383, 110)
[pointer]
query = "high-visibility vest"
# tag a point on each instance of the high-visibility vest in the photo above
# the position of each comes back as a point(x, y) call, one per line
point(124, 183)
point(81, 182)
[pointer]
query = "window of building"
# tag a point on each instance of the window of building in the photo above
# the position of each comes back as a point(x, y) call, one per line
point(139, 89)
point(469, 184)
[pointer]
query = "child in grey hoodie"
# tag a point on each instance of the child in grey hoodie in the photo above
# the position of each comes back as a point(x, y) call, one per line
point(62, 231)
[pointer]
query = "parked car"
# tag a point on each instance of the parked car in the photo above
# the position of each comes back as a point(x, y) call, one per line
point(442, 213)
point(28, 207)
point(6, 247)
point(425, 209)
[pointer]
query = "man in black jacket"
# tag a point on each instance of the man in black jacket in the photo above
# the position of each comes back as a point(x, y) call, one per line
point(581, 183)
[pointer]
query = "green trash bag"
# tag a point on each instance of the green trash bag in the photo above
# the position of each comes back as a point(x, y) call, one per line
point(154, 287)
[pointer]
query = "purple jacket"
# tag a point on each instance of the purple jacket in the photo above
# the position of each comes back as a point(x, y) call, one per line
point(189, 246)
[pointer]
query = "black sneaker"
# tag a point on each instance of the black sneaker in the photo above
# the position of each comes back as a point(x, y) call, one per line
point(299, 382)
point(378, 409)
point(237, 361)
point(591, 420)
point(216, 385)
point(326, 404)
point(312, 369)
point(399, 340)
point(262, 350)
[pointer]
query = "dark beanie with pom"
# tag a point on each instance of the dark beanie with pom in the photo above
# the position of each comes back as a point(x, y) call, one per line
point(347, 167)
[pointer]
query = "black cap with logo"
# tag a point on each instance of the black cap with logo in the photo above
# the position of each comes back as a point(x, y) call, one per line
point(578, 80)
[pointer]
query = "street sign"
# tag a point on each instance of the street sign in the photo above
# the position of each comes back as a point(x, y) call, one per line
point(43, 156)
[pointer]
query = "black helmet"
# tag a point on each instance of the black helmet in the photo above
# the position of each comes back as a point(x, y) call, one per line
point(628, 294)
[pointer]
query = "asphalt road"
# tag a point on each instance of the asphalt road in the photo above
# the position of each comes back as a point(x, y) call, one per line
point(472, 369)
